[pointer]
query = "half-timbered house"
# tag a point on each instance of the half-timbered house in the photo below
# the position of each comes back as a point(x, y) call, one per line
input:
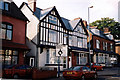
point(45, 30)
point(77, 42)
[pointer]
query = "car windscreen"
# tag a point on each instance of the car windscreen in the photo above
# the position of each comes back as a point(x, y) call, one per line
point(77, 68)
point(71, 68)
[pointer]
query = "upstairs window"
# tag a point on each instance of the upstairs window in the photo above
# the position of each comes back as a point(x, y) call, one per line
point(52, 36)
point(52, 19)
point(4, 5)
point(106, 46)
point(103, 45)
point(6, 31)
point(111, 47)
point(97, 44)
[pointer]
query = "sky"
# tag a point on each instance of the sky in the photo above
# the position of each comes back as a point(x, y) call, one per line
point(71, 9)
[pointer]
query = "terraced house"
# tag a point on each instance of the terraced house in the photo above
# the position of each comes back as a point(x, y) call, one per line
point(77, 38)
point(103, 46)
point(47, 29)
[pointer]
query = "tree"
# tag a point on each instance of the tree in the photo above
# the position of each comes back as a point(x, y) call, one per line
point(110, 23)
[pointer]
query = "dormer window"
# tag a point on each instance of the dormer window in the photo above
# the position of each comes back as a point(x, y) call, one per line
point(4, 5)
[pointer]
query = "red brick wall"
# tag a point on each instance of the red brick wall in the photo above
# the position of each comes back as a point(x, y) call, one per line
point(21, 57)
point(101, 43)
point(18, 28)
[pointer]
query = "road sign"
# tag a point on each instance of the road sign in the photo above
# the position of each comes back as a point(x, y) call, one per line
point(61, 50)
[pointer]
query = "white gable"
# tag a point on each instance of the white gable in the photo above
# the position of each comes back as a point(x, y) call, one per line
point(32, 25)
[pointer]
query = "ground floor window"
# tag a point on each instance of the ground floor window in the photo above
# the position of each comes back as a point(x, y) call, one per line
point(9, 57)
point(31, 62)
point(51, 58)
point(101, 58)
point(81, 58)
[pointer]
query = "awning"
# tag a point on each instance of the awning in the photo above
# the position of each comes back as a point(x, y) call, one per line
point(77, 49)
point(12, 45)
point(102, 51)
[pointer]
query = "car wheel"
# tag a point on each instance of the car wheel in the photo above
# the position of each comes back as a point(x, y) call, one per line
point(82, 77)
point(16, 76)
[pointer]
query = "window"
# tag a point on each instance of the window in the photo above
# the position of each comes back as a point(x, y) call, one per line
point(97, 44)
point(103, 45)
point(65, 38)
point(52, 36)
point(80, 42)
point(6, 31)
point(4, 5)
point(81, 59)
point(84, 43)
point(111, 46)
point(70, 40)
point(52, 19)
point(32, 62)
point(106, 46)
point(9, 57)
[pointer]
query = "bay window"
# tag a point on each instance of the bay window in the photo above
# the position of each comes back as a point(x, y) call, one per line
point(9, 57)
point(80, 42)
point(52, 36)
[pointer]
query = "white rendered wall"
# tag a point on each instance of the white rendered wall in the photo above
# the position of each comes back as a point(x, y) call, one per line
point(32, 25)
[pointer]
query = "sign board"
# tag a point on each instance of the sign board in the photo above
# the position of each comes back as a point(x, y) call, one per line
point(61, 50)
point(91, 51)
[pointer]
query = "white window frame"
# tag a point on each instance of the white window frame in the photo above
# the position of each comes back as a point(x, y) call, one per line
point(31, 64)
point(97, 44)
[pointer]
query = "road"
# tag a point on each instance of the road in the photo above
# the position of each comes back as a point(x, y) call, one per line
point(106, 74)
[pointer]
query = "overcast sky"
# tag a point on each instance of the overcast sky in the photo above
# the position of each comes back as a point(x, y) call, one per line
point(71, 9)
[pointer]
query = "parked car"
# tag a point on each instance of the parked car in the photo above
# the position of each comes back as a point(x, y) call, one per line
point(17, 71)
point(79, 72)
point(95, 66)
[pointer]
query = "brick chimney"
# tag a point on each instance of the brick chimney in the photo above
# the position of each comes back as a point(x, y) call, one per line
point(32, 4)
point(106, 30)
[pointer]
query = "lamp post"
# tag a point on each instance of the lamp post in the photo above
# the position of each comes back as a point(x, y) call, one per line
point(89, 34)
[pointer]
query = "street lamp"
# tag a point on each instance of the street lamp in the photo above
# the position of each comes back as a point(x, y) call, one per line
point(89, 35)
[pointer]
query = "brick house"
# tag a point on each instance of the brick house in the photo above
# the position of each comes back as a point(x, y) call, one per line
point(13, 33)
point(103, 46)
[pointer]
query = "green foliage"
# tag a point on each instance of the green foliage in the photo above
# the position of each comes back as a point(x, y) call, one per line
point(113, 26)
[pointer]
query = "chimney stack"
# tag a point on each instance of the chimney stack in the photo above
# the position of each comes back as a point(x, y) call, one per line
point(32, 4)
point(106, 30)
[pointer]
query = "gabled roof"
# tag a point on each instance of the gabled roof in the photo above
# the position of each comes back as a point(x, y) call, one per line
point(14, 12)
point(102, 35)
point(74, 23)
point(71, 25)
point(42, 13)
point(67, 24)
